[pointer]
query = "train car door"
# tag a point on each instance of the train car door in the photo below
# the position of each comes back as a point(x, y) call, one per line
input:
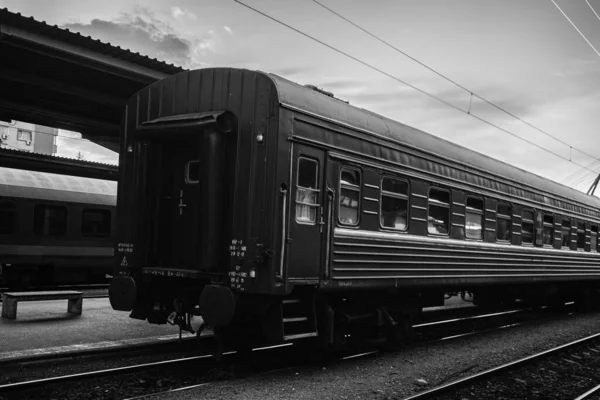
point(307, 226)
point(185, 204)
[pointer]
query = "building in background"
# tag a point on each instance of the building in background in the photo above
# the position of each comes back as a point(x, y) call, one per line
point(22, 136)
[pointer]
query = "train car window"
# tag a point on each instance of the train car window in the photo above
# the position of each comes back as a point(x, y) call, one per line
point(49, 220)
point(394, 203)
point(548, 231)
point(95, 223)
point(594, 238)
point(439, 212)
point(580, 235)
point(527, 226)
point(8, 217)
point(565, 232)
point(474, 218)
point(192, 172)
point(503, 222)
point(349, 196)
point(307, 192)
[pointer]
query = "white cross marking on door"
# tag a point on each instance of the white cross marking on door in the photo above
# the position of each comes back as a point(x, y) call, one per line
point(181, 205)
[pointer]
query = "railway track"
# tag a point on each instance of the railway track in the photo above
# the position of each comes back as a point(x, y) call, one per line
point(480, 384)
point(196, 360)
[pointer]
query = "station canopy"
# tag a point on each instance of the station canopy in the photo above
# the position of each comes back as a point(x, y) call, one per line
point(54, 77)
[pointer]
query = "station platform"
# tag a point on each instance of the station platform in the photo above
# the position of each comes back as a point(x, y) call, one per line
point(45, 327)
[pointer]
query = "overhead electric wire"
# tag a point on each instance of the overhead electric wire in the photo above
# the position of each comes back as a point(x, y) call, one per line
point(454, 82)
point(594, 11)
point(575, 26)
point(406, 83)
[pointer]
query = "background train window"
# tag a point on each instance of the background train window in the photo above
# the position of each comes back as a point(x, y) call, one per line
point(503, 221)
point(548, 231)
point(594, 238)
point(439, 212)
point(49, 220)
point(349, 196)
point(527, 226)
point(565, 232)
point(394, 203)
point(192, 172)
point(8, 217)
point(474, 218)
point(580, 235)
point(95, 223)
point(307, 192)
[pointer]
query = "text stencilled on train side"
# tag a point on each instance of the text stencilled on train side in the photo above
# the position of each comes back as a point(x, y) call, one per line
point(125, 247)
point(237, 248)
point(166, 273)
point(237, 278)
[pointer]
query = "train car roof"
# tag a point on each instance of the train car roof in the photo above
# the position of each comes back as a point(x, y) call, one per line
point(56, 187)
point(314, 102)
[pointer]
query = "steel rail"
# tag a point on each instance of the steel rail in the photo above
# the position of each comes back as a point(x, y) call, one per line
point(588, 393)
point(489, 372)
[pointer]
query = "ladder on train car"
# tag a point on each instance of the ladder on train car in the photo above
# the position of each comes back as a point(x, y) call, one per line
point(299, 320)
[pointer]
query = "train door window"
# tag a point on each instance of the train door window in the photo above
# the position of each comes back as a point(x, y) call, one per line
point(439, 212)
point(8, 217)
point(565, 232)
point(503, 222)
point(192, 172)
point(594, 238)
point(95, 223)
point(580, 235)
point(49, 220)
point(307, 192)
point(474, 218)
point(394, 203)
point(349, 196)
point(527, 226)
point(548, 230)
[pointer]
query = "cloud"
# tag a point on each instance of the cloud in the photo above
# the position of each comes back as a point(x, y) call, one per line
point(69, 146)
point(177, 13)
point(140, 31)
point(228, 29)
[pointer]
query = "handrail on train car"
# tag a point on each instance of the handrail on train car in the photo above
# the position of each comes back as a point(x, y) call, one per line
point(224, 121)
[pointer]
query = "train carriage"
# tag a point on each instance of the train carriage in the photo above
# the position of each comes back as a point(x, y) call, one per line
point(55, 229)
point(280, 212)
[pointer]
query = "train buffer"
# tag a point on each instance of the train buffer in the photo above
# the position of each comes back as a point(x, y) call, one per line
point(11, 299)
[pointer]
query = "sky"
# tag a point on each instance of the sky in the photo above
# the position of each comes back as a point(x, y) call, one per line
point(523, 56)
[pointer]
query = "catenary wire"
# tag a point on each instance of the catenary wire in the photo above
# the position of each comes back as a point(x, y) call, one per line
point(406, 83)
point(575, 26)
point(594, 11)
point(454, 82)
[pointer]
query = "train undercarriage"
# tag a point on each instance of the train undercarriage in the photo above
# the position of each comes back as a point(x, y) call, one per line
point(329, 321)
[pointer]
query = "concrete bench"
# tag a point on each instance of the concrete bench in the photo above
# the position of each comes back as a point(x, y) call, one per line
point(10, 300)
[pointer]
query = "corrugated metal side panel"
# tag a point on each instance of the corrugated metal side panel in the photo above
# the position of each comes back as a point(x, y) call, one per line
point(383, 256)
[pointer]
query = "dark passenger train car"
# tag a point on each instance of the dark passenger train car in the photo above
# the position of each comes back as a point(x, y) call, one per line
point(55, 229)
point(278, 211)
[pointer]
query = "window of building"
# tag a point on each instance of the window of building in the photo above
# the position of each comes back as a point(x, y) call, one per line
point(594, 238)
point(565, 232)
point(581, 235)
point(95, 223)
point(349, 196)
point(307, 192)
point(49, 220)
point(24, 135)
point(503, 221)
point(8, 217)
point(439, 212)
point(192, 172)
point(527, 232)
point(548, 230)
point(394, 203)
point(474, 218)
